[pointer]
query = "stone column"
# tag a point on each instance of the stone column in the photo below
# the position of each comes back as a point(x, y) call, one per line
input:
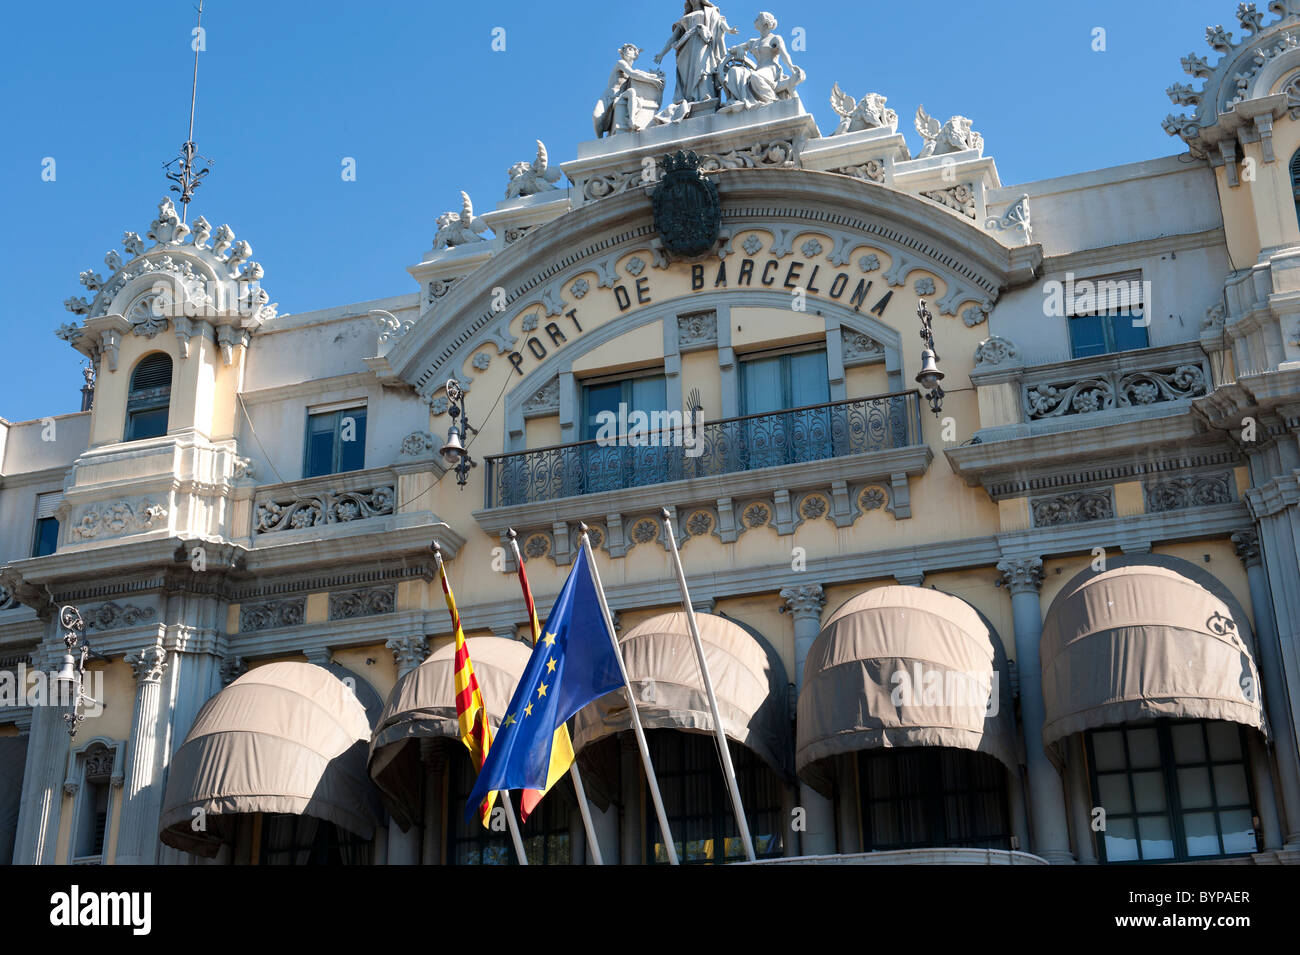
point(1047, 818)
point(804, 603)
point(1270, 665)
point(408, 652)
point(43, 774)
point(138, 842)
point(1080, 803)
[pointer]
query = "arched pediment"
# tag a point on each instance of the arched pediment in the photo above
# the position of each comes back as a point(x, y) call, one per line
point(839, 239)
point(179, 279)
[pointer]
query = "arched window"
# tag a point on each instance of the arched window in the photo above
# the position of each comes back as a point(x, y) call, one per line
point(1173, 791)
point(699, 806)
point(150, 394)
point(546, 834)
point(1295, 181)
point(932, 796)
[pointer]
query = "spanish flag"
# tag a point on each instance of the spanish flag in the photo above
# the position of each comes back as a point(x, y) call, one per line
point(471, 714)
point(561, 745)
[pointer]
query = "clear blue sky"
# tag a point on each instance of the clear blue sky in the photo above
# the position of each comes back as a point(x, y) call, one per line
point(414, 92)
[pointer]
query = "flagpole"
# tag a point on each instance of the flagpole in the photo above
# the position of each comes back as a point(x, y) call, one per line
point(579, 790)
point(504, 794)
point(662, 816)
point(724, 752)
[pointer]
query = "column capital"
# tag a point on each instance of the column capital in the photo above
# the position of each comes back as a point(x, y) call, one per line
point(232, 668)
point(1246, 542)
point(409, 651)
point(1021, 574)
point(148, 664)
point(321, 656)
point(805, 601)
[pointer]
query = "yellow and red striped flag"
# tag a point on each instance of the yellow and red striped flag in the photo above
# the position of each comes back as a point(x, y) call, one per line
point(471, 714)
point(561, 745)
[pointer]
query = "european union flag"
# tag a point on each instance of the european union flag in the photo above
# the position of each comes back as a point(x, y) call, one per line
point(572, 664)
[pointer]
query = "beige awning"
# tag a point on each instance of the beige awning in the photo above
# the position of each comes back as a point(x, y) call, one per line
point(284, 737)
point(423, 705)
point(902, 666)
point(1151, 636)
point(748, 680)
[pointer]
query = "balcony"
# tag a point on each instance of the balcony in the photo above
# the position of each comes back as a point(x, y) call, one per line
point(799, 436)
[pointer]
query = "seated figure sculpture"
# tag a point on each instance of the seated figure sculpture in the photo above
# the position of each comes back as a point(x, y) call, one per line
point(751, 73)
point(631, 96)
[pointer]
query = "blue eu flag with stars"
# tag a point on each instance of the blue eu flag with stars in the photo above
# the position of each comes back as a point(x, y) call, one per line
point(572, 664)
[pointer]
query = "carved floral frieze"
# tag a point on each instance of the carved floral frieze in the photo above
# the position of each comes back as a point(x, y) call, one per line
point(329, 507)
point(1074, 507)
point(1114, 389)
point(1197, 490)
point(117, 518)
point(272, 614)
point(365, 602)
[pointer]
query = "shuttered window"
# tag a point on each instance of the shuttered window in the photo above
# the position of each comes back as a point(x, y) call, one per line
point(45, 540)
point(1107, 313)
point(149, 397)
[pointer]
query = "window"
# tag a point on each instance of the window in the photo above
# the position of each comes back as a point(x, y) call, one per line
point(1107, 314)
point(150, 394)
point(97, 763)
point(772, 383)
point(336, 442)
point(698, 803)
point(780, 382)
point(545, 834)
point(45, 539)
point(647, 393)
point(1172, 790)
point(289, 839)
point(930, 797)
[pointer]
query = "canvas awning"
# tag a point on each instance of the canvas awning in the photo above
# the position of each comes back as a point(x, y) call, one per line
point(283, 738)
point(1150, 636)
point(748, 680)
point(423, 705)
point(902, 666)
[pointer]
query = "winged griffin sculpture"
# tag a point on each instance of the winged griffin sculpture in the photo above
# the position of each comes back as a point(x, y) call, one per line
point(458, 228)
point(953, 136)
point(530, 178)
point(867, 113)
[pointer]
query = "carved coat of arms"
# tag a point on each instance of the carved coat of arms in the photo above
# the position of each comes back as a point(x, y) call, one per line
point(688, 214)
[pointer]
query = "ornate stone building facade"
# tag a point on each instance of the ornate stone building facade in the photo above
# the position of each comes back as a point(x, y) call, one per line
point(714, 311)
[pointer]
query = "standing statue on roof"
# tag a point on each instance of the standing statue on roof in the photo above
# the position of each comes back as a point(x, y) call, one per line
point(699, 43)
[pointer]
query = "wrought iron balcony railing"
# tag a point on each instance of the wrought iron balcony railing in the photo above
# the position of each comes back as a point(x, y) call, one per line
point(726, 446)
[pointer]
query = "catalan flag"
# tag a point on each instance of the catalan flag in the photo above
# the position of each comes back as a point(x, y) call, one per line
point(572, 664)
point(471, 714)
point(561, 745)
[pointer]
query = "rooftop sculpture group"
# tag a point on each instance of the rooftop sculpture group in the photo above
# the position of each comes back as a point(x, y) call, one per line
point(710, 78)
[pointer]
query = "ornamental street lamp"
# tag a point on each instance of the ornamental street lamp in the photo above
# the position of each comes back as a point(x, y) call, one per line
point(72, 673)
point(454, 448)
point(929, 376)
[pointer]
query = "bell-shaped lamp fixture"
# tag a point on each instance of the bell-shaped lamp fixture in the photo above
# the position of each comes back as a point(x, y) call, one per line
point(452, 450)
point(929, 376)
point(67, 675)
